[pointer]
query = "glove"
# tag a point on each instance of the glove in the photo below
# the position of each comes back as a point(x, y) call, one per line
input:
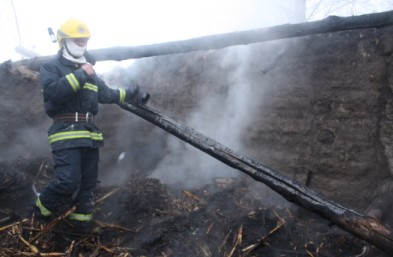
point(136, 96)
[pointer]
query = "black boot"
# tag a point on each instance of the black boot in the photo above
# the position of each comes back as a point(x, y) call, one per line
point(38, 216)
point(81, 227)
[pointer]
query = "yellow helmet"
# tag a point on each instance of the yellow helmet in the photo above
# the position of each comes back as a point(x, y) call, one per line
point(72, 28)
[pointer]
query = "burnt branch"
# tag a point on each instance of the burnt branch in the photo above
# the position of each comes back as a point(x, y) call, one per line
point(328, 25)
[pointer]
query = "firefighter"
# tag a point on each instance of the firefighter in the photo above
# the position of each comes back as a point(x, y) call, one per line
point(71, 93)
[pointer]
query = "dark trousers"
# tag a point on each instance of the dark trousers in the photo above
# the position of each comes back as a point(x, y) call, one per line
point(75, 179)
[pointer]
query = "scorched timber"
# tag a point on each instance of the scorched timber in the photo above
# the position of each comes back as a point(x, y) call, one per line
point(355, 223)
point(328, 25)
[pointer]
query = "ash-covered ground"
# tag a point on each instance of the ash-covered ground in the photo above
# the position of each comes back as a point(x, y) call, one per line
point(143, 217)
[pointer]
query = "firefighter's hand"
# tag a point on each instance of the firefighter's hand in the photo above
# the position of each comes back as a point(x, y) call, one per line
point(135, 95)
point(88, 69)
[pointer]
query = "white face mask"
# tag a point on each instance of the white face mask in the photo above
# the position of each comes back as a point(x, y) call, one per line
point(74, 49)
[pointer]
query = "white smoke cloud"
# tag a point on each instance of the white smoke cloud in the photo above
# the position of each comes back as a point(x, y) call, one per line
point(223, 120)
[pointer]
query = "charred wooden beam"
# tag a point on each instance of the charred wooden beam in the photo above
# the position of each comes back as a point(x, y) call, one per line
point(349, 220)
point(330, 24)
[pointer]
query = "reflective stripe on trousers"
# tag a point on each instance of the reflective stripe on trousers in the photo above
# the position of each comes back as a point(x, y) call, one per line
point(81, 217)
point(44, 211)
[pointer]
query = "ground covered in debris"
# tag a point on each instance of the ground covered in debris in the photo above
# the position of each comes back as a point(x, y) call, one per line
point(143, 217)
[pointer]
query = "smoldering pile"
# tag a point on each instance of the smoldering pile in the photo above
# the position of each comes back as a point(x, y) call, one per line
point(145, 218)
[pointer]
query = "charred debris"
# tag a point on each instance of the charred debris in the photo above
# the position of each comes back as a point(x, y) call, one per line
point(143, 218)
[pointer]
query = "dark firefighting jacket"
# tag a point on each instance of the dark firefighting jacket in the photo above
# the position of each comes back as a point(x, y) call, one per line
point(68, 90)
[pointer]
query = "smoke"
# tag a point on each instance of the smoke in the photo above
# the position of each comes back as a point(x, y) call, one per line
point(224, 117)
point(221, 118)
point(29, 142)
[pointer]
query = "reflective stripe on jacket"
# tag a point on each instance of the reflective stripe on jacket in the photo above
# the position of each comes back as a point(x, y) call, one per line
point(75, 135)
